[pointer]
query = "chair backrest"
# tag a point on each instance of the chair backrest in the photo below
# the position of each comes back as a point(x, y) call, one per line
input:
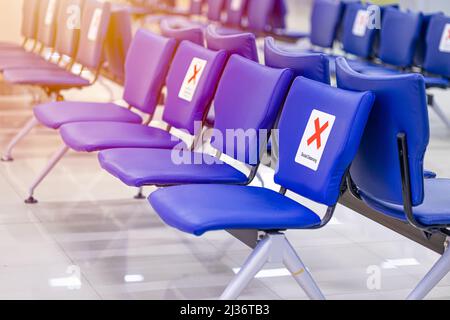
point(146, 68)
point(94, 26)
point(48, 13)
point(30, 18)
point(233, 41)
point(68, 30)
point(191, 84)
point(277, 18)
point(118, 41)
point(312, 66)
point(236, 10)
point(215, 9)
point(196, 7)
point(245, 110)
point(400, 107)
point(258, 14)
point(320, 132)
point(399, 34)
point(325, 18)
point(182, 29)
point(437, 56)
point(358, 38)
point(421, 43)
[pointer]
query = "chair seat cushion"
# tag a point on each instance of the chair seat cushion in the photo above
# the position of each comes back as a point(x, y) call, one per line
point(17, 54)
point(97, 136)
point(141, 167)
point(435, 209)
point(55, 114)
point(10, 46)
point(44, 77)
point(359, 64)
point(28, 63)
point(198, 209)
point(379, 70)
point(437, 82)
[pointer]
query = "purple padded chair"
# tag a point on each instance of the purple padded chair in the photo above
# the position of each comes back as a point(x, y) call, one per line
point(93, 29)
point(182, 29)
point(117, 44)
point(233, 41)
point(94, 25)
point(215, 10)
point(66, 44)
point(191, 84)
point(236, 10)
point(146, 68)
point(46, 35)
point(29, 26)
point(261, 15)
point(240, 105)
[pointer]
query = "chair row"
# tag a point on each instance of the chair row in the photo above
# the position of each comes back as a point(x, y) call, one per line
point(259, 16)
point(60, 34)
point(385, 40)
point(144, 89)
point(323, 149)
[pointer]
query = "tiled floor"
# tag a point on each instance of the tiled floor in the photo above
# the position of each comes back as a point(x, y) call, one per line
point(88, 239)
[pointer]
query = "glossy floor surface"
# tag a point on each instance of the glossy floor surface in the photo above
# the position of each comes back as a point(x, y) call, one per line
point(89, 239)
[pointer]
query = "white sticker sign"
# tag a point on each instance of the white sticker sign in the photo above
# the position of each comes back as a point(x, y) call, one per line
point(236, 5)
point(361, 23)
point(51, 9)
point(192, 79)
point(315, 138)
point(95, 24)
point(445, 40)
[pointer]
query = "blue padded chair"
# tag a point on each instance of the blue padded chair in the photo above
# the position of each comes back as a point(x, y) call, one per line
point(399, 36)
point(182, 29)
point(387, 173)
point(233, 41)
point(421, 43)
point(241, 207)
point(361, 44)
point(314, 66)
point(436, 65)
point(240, 105)
point(325, 19)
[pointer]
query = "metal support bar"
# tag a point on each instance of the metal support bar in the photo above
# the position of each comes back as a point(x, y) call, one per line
point(441, 114)
point(51, 164)
point(274, 247)
point(140, 195)
point(432, 278)
point(435, 243)
point(7, 155)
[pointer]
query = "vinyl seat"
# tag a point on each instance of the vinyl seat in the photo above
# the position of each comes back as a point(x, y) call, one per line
point(435, 209)
point(202, 208)
point(97, 136)
point(141, 167)
point(54, 115)
point(46, 78)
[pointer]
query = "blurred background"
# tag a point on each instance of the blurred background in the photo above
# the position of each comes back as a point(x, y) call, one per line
point(11, 12)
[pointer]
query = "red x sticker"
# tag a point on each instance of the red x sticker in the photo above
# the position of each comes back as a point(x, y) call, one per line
point(192, 79)
point(319, 131)
point(197, 70)
point(445, 40)
point(315, 138)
